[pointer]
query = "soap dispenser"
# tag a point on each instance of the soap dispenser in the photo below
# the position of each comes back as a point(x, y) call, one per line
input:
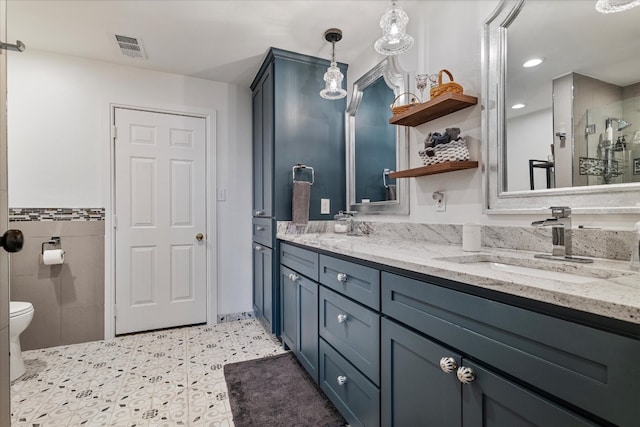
point(635, 248)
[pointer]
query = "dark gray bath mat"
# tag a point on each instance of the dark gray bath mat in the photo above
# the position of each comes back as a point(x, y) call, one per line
point(277, 391)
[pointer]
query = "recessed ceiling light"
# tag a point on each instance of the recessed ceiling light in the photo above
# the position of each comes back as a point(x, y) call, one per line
point(532, 62)
point(517, 106)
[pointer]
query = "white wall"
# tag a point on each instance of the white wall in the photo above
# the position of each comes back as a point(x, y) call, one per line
point(59, 153)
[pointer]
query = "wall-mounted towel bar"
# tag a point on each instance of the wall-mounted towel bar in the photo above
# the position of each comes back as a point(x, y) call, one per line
point(300, 166)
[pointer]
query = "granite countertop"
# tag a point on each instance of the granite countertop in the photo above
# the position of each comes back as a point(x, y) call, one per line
point(611, 289)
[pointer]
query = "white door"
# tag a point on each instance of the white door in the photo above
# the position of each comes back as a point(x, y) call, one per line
point(160, 209)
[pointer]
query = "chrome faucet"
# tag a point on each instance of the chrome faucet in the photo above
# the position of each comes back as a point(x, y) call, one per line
point(560, 235)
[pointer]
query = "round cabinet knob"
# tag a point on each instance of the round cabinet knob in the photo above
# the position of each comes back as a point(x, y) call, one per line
point(199, 236)
point(258, 213)
point(293, 277)
point(259, 228)
point(257, 247)
point(342, 277)
point(448, 364)
point(342, 318)
point(465, 375)
point(341, 380)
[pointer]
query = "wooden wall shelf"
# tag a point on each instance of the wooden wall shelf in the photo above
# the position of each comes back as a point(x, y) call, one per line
point(435, 108)
point(434, 169)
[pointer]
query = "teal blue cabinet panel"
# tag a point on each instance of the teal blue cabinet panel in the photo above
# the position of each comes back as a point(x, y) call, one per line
point(492, 401)
point(288, 308)
point(356, 281)
point(308, 326)
point(301, 260)
point(357, 398)
point(299, 318)
point(262, 127)
point(263, 284)
point(587, 367)
point(353, 330)
point(263, 231)
point(414, 390)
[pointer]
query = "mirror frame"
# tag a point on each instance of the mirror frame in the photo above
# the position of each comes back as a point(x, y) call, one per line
point(397, 80)
point(610, 198)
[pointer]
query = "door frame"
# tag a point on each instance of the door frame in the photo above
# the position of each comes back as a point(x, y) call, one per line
point(211, 209)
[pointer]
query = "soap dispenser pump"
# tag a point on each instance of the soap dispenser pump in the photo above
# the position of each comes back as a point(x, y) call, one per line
point(635, 248)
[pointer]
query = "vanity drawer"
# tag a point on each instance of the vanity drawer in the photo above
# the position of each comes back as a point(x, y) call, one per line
point(353, 280)
point(353, 330)
point(262, 231)
point(587, 367)
point(301, 260)
point(357, 398)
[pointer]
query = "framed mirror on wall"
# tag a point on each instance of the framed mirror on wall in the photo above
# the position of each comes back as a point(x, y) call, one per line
point(563, 130)
point(374, 147)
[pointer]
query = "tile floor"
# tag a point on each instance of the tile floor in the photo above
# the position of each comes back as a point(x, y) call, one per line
point(164, 378)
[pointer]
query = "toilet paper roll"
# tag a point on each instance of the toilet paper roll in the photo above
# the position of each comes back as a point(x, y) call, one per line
point(53, 257)
point(471, 237)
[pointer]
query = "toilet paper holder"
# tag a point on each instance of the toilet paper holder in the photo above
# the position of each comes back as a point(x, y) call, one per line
point(54, 241)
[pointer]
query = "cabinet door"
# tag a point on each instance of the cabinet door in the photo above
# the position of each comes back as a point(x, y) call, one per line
point(415, 391)
point(262, 284)
point(263, 146)
point(493, 401)
point(308, 326)
point(289, 308)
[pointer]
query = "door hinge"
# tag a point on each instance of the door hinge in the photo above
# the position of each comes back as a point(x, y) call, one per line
point(115, 310)
point(114, 132)
point(115, 221)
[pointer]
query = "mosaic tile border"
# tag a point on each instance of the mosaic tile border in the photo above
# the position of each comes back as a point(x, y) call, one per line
point(233, 317)
point(56, 214)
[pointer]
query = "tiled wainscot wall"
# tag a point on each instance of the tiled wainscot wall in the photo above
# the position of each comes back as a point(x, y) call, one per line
point(68, 299)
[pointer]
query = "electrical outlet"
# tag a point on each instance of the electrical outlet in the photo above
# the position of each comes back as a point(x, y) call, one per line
point(441, 204)
point(325, 206)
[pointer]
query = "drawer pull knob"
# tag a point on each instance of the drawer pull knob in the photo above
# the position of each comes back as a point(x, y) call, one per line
point(342, 318)
point(258, 213)
point(257, 248)
point(342, 380)
point(293, 277)
point(448, 364)
point(259, 228)
point(465, 375)
point(342, 277)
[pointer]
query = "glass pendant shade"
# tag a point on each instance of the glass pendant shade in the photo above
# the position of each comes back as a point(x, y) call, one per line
point(612, 6)
point(333, 77)
point(333, 83)
point(395, 39)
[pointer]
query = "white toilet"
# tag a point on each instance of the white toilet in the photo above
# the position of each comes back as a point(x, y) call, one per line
point(21, 314)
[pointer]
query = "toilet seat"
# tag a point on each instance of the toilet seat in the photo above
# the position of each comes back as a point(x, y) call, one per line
point(18, 308)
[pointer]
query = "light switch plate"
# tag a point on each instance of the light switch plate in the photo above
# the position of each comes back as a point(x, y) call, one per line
point(325, 206)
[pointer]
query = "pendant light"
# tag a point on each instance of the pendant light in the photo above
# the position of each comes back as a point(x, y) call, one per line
point(333, 77)
point(395, 39)
point(611, 6)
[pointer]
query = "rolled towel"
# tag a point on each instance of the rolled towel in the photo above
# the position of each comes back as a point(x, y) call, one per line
point(300, 202)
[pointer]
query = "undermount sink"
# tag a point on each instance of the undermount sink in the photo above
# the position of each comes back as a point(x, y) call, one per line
point(537, 268)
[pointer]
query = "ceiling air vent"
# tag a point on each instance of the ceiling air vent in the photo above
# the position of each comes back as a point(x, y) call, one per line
point(130, 46)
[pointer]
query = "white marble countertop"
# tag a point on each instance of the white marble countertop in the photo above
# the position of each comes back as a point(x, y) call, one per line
point(612, 289)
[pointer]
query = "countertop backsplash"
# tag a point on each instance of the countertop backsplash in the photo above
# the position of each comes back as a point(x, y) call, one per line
point(596, 243)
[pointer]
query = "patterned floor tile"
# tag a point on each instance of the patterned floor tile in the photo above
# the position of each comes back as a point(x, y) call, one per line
point(163, 378)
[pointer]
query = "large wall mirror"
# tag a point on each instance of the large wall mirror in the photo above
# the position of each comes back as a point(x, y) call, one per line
point(374, 147)
point(567, 130)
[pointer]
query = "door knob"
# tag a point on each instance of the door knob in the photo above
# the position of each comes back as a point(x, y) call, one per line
point(12, 240)
point(199, 236)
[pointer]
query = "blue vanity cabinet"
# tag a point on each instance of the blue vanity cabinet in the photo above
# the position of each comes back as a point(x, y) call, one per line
point(292, 124)
point(299, 305)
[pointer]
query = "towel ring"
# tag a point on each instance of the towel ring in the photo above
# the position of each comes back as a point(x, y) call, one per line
point(301, 166)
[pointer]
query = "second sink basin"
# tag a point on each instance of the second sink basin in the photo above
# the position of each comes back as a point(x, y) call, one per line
point(537, 268)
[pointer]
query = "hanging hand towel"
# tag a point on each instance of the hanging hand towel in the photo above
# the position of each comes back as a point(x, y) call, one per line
point(300, 202)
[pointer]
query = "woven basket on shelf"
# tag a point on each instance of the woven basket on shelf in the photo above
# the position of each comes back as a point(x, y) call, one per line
point(445, 87)
point(451, 152)
point(399, 109)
